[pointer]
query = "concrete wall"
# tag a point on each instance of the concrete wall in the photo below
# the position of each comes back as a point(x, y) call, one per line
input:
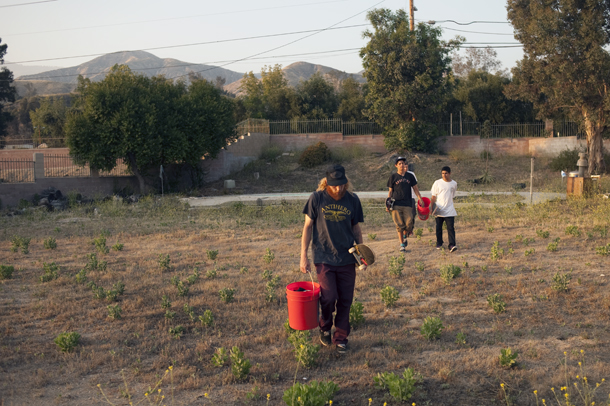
point(295, 142)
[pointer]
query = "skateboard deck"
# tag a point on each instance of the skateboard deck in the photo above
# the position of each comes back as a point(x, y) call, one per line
point(389, 203)
point(363, 254)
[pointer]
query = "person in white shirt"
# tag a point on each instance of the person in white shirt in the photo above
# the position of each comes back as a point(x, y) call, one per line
point(443, 192)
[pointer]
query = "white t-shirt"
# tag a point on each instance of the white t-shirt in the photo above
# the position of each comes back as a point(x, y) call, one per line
point(413, 195)
point(444, 192)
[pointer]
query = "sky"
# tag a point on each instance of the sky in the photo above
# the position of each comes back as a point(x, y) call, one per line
point(64, 33)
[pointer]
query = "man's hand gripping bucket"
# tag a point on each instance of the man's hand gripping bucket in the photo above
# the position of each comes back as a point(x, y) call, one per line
point(423, 212)
point(303, 309)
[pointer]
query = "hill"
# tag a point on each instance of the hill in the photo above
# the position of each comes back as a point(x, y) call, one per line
point(298, 71)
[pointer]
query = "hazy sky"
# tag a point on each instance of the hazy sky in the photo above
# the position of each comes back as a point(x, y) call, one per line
point(46, 30)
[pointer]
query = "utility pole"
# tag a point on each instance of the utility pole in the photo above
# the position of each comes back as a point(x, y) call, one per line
point(411, 16)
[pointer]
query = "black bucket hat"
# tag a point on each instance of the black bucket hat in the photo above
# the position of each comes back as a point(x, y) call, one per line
point(335, 176)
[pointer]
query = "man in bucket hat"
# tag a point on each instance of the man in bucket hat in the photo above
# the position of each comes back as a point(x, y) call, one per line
point(332, 224)
point(401, 185)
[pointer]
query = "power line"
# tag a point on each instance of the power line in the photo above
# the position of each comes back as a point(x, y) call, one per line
point(475, 32)
point(174, 18)
point(468, 23)
point(27, 4)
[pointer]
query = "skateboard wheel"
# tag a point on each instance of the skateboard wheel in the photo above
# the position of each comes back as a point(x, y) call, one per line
point(362, 267)
point(352, 250)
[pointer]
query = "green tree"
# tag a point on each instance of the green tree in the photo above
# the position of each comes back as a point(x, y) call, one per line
point(316, 98)
point(566, 63)
point(49, 120)
point(252, 99)
point(409, 78)
point(351, 100)
point(7, 91)
point(476, 59)
point(270, 97)
point(147, 122)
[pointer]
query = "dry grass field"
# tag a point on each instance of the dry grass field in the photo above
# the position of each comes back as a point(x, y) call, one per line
point(549, 268)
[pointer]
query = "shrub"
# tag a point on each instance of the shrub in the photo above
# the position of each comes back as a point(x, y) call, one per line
point(240, 366)
point(20, 242)
point(573, 230)
point(176, 332)
point(212, 254)
point(565, 161)
point(49, 243)
point(396, 265)
point(114, 312)
point(448, 272)
point(401, 389)
point(220, 357)
point(270, 152)
point(356, 314)
point(432, 328)
point(6, 271)
point(207, 319)
point(389, 296)
point(561, 281)
point(50, 272)
point(100, 244)
point(312, 394)
point(508, 358)
point(67, 341)
point(268, 257)
point(305, 352)
point(226, 294)
point(315, 155)
point(496, 303)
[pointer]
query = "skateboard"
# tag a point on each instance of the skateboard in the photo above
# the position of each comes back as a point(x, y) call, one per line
point(389, 203)
point(363, 254)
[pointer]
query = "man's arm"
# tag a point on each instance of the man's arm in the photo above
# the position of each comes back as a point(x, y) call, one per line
point(416, 190)
point(357, 233)
point(305, 240)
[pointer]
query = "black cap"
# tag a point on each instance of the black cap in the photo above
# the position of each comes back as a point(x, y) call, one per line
point(400, 158)
point(335, 176)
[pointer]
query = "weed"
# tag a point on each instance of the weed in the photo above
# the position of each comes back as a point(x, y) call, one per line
point(49, 243)
point(528, 241)
point(67, 341)
point(176, 332)
point(602, 230)
point(20, 242)
point(207, 319)
point(542, 234)
point(220, 357)
point(118, 246)
point(496, 303)
point(573, 231)
point(289, 330)
point(420, 266)
point(603, 250)
point(449, 272)
point(114, 312)
point(6, 271)
point(561, 281)
point(93, 264)
point(254, 393)
point(305, 352)
point(240, 366)
point(490, 229)
point(483, 268)
point(460, 338)
point(188, 310)
point(529, 252)
point(267, 275)
point(552, 247)
point(496, 251)
point(165, 302)
point(396, 266)
point(268, 257)
point(508, 358)
point(226, 294)
point(270, 289)
point(312, 394)
point(183, 289)
point(212, 254)
point(100, 244)
point(194, 277)
point(419, 233)
point(431, 328)
point(211, 273)
point(389, 296)
point(164, 262)
point(50, 272)
point(356, 314)
point(169, 314)
point(401, 389)
point(243, 270)
point(372, 236)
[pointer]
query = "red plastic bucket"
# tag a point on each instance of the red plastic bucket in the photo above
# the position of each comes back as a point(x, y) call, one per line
point(423, 212)
point(303, 306)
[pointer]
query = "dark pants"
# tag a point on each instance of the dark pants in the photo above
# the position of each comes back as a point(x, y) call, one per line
point(337, 287)
point(450, 230)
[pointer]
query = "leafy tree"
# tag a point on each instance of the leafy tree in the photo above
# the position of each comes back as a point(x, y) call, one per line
point(316, 98)
point(252, 101)
point(481, 95)
point(147, 122)
point(7, 92)
point(270, 97)
point(49, 119)
point(409, 78)
point(477, 59)
point(351, 100)
point(565, 63)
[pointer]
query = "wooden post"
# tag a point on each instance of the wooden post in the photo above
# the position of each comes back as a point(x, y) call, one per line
point(532, 181)
point(411, 16)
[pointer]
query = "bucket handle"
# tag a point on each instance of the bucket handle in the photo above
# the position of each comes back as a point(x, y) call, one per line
point(313, 287)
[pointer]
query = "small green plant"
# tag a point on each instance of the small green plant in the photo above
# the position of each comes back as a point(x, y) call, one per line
point(552, 247)
point(396, 266)
point(169, 314)
point(603, 250)
point(561, 281)
point(94, 265)
point(305, 352)
point(49, 243)
point(20, 242)
point(519, 238)
point(226, 294)
point(189, 311)
point(267, 275)
point(419, 233)
point(573, 231)
point(100, 244)
point(356, 315)
point(114, 312)
point(401, 389)
point(254, 393)
point(508, 358)
point(164, 262)
point(165, 302)
point(431, 328)
point(372, 236)
point(211, 274)
point(312, 394)
point(269, 256)
point(460, 338)
point(6, 271)
point(542, 234)
point(212, 254)
point(240, 366)
point(207, 319)
point(67, 341)
point(529, 252)
point(420, 266)
point(483, 268)
point(176, 332)
point(389, 296)
point(496, 303)
point(118, 246)
point(602, 230)
point(183, 289)
point(490, 229)
point(243, 270)
point(81, 276)
point(50, 272)
point(496, 251)
point(220, 357)
point(194, 277)
point(528, 241)
point(289, 330)
point(270, 289)
point(449, 272)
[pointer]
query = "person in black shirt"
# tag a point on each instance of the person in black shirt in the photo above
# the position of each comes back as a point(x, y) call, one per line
point(332, 224)
point(400, 185)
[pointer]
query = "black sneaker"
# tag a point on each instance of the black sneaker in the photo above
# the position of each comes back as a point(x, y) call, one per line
point(439, 246)
point(453, 248)
point(342, 348)
point(325, 338)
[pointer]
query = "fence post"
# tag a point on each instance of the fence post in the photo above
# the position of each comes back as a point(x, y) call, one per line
point(38, 165)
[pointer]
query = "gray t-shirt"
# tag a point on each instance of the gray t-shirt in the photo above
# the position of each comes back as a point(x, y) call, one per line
point(333, 233)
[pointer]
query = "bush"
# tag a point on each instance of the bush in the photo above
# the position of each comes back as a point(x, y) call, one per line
point(401, 389)
point(315, 155)
point(270, 152)
point(312, 394)
point(6, 271)
point(565, 161)
point(67, 341)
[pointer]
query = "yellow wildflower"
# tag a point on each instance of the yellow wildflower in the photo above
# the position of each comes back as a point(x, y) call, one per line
point(205, 394)
point(535, 392)
point(171, 367)
point(502, 385)
point(269, 396)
